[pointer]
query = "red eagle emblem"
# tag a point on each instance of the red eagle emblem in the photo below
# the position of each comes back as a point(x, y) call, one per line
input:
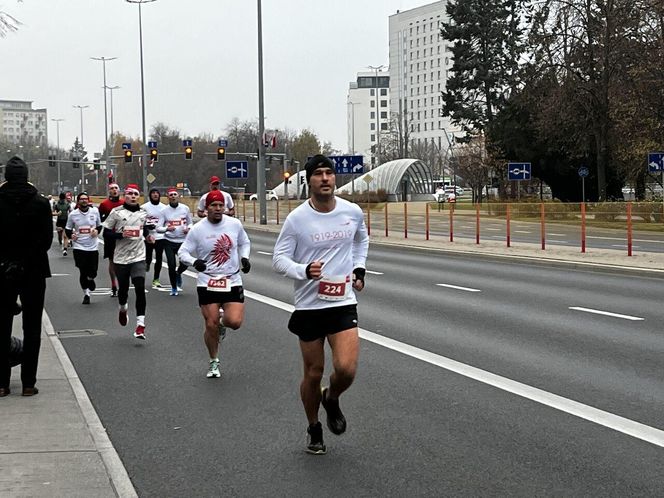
point(222, 250)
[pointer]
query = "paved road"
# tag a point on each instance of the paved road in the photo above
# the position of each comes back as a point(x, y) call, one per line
point(419, 424)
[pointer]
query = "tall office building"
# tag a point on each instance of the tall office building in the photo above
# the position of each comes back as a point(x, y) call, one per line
point(368, 110)
point(21, 124)
point(419, 63)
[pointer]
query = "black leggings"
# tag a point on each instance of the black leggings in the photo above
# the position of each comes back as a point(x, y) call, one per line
point(87, 263)
point(171, 249)
point(135, 271)
point(158, 248)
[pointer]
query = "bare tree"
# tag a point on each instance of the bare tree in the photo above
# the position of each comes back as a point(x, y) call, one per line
point(8, 23)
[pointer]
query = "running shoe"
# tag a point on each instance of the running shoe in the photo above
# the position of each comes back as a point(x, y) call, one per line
point(178, 282)
point(156, 284)
point(86, 299)
point(213, 370)
point(139, 333)
point(336, 421)
point(64, 252)
point(174, 291)
point(122, 317)
point(315, 444)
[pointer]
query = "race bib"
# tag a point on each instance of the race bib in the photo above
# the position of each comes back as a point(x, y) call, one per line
point(84, 230)
point(174, 223)
point(132, 232)
point(333, 288)
point(220, 284)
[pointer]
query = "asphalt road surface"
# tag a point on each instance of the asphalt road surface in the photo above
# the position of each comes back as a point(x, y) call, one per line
point(476, 378)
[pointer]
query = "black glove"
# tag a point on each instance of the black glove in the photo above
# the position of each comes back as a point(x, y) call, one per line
point(359, 274)
point(200, 265)
point(246, 265)
point(151, 226)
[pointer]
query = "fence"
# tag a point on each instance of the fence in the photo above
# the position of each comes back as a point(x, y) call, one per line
point(539, 223)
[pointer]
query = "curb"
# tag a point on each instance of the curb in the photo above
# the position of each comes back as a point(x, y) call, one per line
point(117, 473)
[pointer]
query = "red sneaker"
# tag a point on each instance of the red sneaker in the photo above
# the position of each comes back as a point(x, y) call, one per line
point(140, 332)
point(122, 317)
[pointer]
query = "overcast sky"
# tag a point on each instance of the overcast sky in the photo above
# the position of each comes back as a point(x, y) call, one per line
point(200, 60)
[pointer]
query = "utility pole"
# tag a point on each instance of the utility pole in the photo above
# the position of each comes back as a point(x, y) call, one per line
point(57, 151)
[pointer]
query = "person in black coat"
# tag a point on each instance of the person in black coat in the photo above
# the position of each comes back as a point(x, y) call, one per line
point(26, 217)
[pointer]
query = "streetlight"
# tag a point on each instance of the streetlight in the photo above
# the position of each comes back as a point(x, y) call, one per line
point(111, 88)
point(57, 151)
point(80, 108)
point(352, 110)
point(103, 61)
point(376, 69)
point(140, 38)
point(260, 174)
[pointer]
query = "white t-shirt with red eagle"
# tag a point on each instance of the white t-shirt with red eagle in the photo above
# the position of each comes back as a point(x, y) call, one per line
point(221, 245)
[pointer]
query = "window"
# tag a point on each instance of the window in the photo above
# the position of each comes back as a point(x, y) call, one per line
point(383, 92)
point(373, 137)
point(373, 103)
point(383, 103)
point(373, 115)
point(372, 92)
point(373, 126)
point(383, 115)
point(425, 127)
point(383, 126)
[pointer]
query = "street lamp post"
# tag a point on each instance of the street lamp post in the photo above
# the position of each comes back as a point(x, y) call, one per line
point(376, 69)
point(260, 174)
point(140, 38)
point(103, 61)
point(111, 88)
point(80, 108)
point(352, 119)
point(57, 151)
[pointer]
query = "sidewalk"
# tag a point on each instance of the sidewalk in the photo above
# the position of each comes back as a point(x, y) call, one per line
point(53, 444)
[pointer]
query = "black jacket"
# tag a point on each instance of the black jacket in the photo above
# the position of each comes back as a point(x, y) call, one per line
point(27, 225)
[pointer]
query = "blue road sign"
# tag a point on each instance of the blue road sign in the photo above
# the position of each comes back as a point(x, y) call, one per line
point(186, 143)
point(348, 165)
point(583, 171)
point(518, 171)
point(126, 145)
point(223, 142)
point(655, 162)
point(236, 169)
point(152, 144)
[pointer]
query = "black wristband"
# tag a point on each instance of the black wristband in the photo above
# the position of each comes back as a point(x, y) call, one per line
point(308, 270)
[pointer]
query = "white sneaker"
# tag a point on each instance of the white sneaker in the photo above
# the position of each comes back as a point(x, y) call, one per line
point(213, 371)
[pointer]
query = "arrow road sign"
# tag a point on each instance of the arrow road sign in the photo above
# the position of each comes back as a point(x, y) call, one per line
point(223, 142)
point(583, 171)
point(236, 169)
point(152, 144)
point(656, 162)
point(126, 146)
point(348, 165)
point(186, 143)
point(518, 171)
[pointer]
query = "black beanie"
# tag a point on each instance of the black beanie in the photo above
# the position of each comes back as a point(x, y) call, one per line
point(16, 171)
point(150, 195)
point(318, 161)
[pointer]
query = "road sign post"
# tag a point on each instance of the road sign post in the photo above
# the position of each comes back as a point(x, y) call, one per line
point(583, 173)
point(655, 164)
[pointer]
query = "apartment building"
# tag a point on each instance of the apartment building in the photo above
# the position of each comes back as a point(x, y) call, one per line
point(21, 124)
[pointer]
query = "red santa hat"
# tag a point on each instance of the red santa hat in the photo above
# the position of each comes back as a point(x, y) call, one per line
point(132, 188)
point(172, 190)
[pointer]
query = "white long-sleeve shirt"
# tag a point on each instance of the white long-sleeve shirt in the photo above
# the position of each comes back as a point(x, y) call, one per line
point(178, 217)
point(155, 217)
point(82, 223)
point(221, 245)
point(228, 202)
point(339, 239)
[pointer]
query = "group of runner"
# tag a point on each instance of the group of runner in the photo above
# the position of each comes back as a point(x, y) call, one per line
point(322, 246)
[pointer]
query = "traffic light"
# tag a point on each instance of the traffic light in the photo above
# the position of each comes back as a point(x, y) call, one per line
point(221, 153)
point(128, 156)
point(154, 155)
point(75, 162)
point(286, 176)
point(51, 161)
point(188, 152)
point(97, 164)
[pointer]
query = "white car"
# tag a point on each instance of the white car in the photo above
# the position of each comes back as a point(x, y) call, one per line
point(269, 196)
point(450, 189)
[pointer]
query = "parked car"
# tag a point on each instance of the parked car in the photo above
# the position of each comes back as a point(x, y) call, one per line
point(450, 188)
point(269, 196)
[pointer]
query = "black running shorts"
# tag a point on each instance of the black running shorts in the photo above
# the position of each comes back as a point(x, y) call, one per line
point(236, 295)
point(310, 325)
point(60, 223)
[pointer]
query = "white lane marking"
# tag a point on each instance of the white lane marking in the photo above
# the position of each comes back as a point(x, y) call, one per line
point(557, 234)
point(59, 274)
point(595, 415)
point(653, 241)
point(624, 246)
point(265, 253)
point(450, 286)
point(606, 313)
point(494, 229)
point(375, 272)
point(522, 231)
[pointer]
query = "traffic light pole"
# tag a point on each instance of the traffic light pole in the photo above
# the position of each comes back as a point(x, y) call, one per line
point(260, 174)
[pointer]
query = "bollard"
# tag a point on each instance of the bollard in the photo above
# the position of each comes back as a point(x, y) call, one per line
point(629, 228)
point(543, 227)
point(405, 220)
point(254, 211)
point(277, 211)
point(426, 221)
point(451, 222)
point(477, 223)
point(386, 228)
point(244, 209)
point(507, 224)
point(368, 219)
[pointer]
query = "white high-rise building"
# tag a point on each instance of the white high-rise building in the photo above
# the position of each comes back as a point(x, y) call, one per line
point(21, 124)
point(419, 63)
point(368, 110)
